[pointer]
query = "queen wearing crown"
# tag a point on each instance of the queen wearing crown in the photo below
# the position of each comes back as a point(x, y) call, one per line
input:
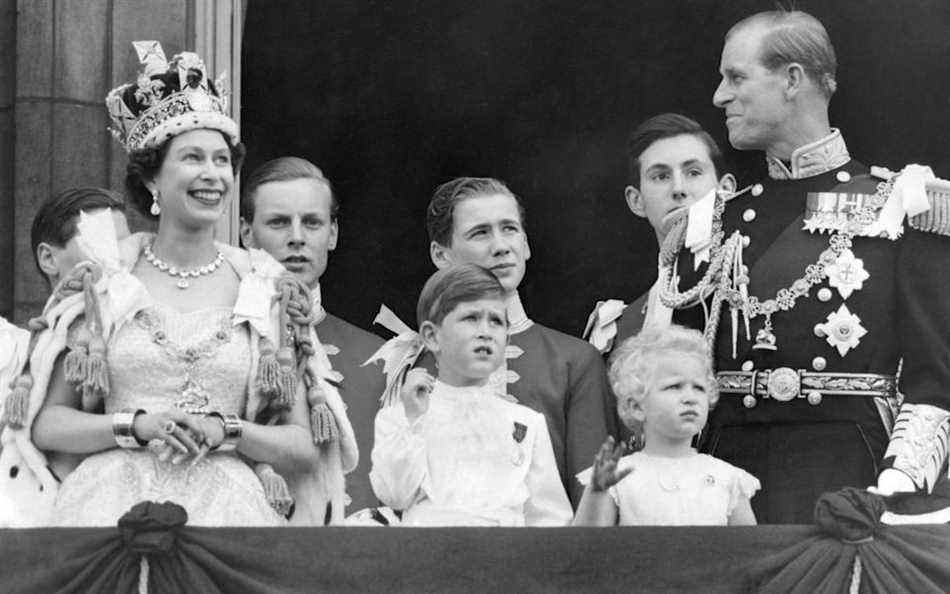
point(176, 368)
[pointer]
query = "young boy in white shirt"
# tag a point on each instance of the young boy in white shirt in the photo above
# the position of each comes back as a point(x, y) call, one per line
point(454, 451)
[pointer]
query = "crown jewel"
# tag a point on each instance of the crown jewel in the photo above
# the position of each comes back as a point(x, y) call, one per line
point(168, 98)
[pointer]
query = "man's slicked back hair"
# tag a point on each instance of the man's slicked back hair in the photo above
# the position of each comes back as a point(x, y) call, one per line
point(659, 127)
point(55, 221)
point(440, 215)
point(795, 36)
point(280, 170)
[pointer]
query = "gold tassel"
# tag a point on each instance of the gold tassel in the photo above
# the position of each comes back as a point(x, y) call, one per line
point(287, 380)
point(286, 359)
point(95, 368)
point(76, 360)
point(275, 489)
point(96, 383)
point(322, 422)
point(17, 405)
point(18, 401)
point(268, 372)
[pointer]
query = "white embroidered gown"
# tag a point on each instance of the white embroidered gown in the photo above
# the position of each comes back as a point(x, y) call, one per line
point(199, 361)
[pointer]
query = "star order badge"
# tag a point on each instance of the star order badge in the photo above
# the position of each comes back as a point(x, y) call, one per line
point(843, 330)
point(847, 273)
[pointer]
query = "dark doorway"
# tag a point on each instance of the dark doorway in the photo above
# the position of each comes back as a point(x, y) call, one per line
point(392, 98)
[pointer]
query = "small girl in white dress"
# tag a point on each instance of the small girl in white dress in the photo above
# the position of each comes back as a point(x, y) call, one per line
point(663, 379)
point(453, 451)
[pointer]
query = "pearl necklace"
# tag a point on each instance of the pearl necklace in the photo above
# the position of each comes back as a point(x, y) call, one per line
point(183, 275)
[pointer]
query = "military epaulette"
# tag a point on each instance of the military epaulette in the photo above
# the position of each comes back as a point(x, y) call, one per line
point(937, 218)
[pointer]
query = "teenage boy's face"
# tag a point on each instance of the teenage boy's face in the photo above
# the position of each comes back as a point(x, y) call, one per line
point(487, 231)
point(470, 342)
point(674, 173)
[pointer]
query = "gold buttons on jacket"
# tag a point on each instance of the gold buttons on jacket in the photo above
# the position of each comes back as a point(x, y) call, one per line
point(748, 216)
point(757, 189)
point(748, 366)
point(819, 363)
point(843, 177)
point(824, 294)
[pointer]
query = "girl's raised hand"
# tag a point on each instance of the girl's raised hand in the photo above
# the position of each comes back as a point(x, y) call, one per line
point(605, 473)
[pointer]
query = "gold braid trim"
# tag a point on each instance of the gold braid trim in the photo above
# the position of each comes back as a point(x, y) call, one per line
point(937, 219)
point(670, 295)
point(919, 444)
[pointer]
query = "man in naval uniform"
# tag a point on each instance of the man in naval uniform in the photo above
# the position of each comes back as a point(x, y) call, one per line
point(480, 221)
point(672, 164)
point(824, 291)
point(289, 209)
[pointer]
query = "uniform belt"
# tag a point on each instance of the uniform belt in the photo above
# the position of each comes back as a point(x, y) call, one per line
point(785, 384)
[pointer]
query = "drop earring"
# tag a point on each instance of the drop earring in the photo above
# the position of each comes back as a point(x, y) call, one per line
point(156, 209)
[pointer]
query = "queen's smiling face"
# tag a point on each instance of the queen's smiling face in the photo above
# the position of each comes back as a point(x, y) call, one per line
point(194, 182)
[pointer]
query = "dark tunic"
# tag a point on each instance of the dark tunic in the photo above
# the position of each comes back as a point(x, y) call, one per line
point(632, 319)
point(629, 324)
point(796, 449)
point(563, 378)
point(360, 390)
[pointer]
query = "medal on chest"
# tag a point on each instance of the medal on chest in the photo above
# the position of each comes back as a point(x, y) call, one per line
point(842, 215)
point(518, 434)
point(842, 329)
point(849, 215)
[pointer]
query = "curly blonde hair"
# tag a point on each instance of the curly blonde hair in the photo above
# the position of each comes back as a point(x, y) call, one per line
point(633, 361)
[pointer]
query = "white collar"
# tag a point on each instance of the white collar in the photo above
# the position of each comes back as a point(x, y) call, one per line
point(316, 303)
point(518, 320)
point(814, 158)
point(464, 393)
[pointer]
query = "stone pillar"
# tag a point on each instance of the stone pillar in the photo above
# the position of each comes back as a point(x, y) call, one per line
point(61, 136)
point(7, 92)
point(68, 55)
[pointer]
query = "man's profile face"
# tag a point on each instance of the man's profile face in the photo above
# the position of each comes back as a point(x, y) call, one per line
point(292, 223)
point(487, 230)
point(751, 95)
point(675, 172)
point(61, 260)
